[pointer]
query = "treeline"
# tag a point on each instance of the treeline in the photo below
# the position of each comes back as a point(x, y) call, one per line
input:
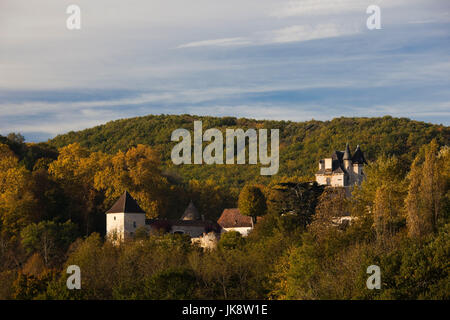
point(302, 144)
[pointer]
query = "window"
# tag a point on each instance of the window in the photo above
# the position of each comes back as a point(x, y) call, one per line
point(134, 224)
point(328, 181)
point(114, 217)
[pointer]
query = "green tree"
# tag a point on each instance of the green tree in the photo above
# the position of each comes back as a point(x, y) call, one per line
point(49, 239)
point(252, 201)
point(16, 137)
point(294, 204)
point(231, 240)
point(171, 284)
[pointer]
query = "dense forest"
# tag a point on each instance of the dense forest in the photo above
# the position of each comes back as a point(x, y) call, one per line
point(53, 197)
point(302, 144)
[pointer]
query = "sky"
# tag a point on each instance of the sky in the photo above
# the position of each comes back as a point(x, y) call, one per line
point(263, 59)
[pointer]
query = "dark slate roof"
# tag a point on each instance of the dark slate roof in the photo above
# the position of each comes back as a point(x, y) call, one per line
point(347, 155)
point(125, 204)
point(358, 157)
point(232, 218)
point(338, 162)
point(337, 155)
point(338, 158)
point(207, 225)
point(191, 213)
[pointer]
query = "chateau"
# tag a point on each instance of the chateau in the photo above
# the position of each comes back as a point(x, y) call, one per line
point(343, 169)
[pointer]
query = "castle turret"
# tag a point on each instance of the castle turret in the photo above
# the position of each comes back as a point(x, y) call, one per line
point(347, 158)
point(358, 156)
point(358, 161)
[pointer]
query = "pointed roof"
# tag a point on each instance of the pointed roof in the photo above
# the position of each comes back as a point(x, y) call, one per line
point(125, 204)
point(358, 157)
point(347, 155)
point(191, 213)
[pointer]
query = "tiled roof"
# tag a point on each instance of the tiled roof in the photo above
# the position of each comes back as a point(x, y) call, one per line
point(232, 218)
point(125, 204)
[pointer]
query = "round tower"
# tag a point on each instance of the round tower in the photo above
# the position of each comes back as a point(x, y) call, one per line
point(347, 158)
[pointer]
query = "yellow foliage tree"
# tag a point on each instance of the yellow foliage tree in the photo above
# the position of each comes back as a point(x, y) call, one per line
point(75, 170)
point(17, 202)
point(136, 171)
point(428, 189)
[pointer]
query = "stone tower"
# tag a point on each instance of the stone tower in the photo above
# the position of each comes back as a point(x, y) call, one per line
point(124, 217)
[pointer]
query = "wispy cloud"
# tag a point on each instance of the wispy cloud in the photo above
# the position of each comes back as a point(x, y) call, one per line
point(308, 32)
point(295, 33)
point(314, 7)
point(302, 8)
point(225, 42)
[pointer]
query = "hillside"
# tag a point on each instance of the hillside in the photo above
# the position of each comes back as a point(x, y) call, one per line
point(53, 204)
point(301, 143)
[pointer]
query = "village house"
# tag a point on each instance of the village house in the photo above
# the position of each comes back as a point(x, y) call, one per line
point(233, 220)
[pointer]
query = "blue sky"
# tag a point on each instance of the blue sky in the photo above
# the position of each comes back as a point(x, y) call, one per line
point(264, 59)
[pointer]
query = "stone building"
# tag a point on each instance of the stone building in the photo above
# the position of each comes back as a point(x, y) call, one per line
point(342, 169)
point(125, 217)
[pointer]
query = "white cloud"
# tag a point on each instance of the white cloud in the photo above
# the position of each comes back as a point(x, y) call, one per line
point(309, 32)
point(225, 42)
point(295, 33)
point(315, 7)
point(303, 8)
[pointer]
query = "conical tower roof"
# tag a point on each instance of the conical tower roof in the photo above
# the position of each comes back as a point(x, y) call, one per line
point(347, 155)
point(191, 213)
point(358, 157)
point(125, 204)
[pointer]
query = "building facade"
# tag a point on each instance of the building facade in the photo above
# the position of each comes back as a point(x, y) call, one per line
point(342, 169)
point(232, 220)
point(124, 218)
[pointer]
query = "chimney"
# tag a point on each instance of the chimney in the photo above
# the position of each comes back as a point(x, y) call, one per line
point(329, 163)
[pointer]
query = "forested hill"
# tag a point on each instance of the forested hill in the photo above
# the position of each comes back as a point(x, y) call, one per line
point(302, 144)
